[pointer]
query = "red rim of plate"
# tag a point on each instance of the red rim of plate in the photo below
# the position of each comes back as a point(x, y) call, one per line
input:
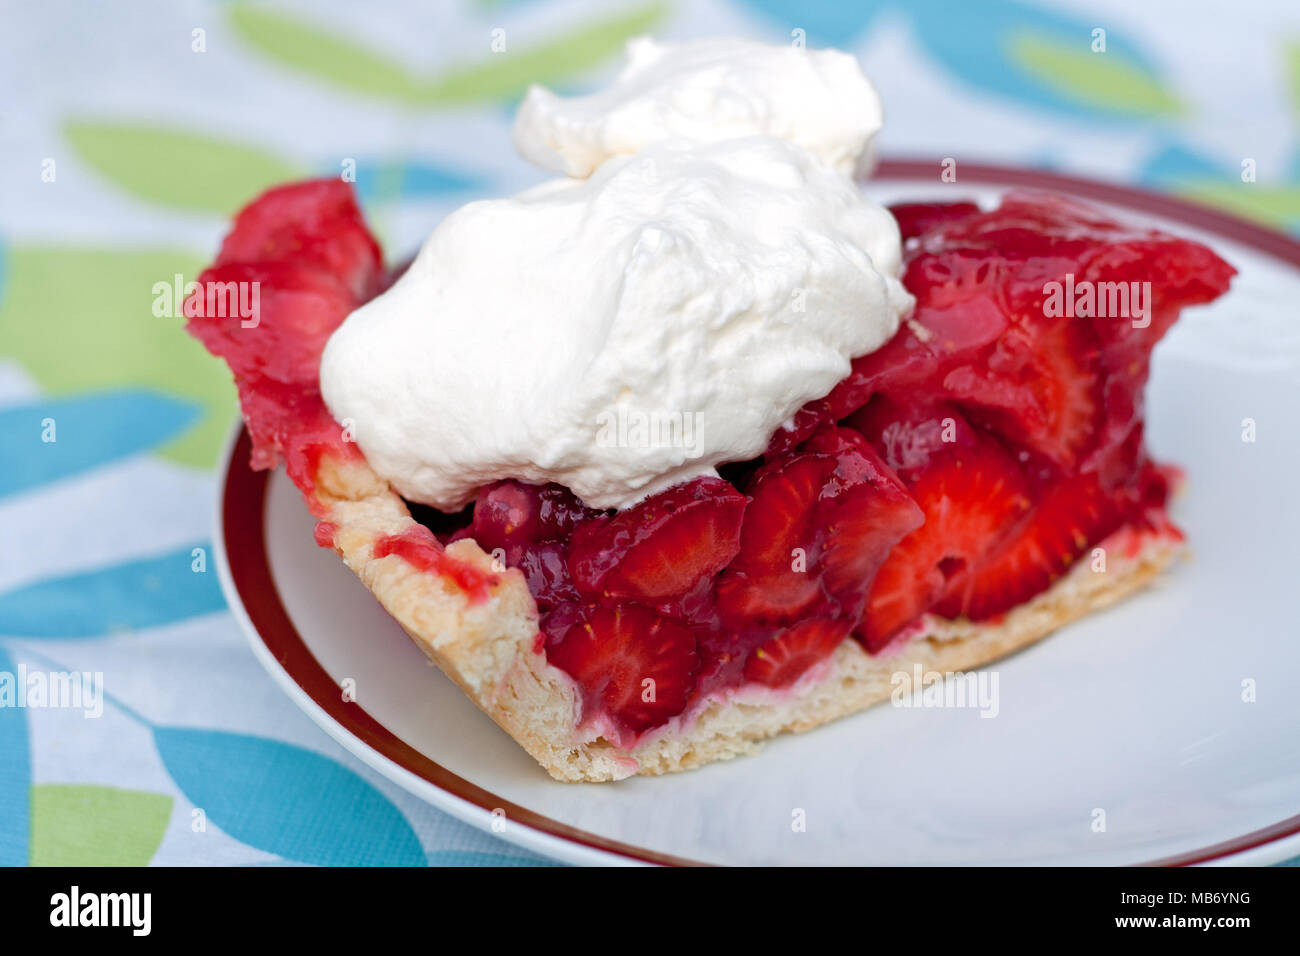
point(243, 528)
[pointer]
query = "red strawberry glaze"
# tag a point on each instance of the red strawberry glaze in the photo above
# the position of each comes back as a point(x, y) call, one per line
point(958, 470)
point(325, 532)
point(981, 335)
point(419, 548)
point(303, 254)
point(693, 531)
point(316, 223)
point(915, 218)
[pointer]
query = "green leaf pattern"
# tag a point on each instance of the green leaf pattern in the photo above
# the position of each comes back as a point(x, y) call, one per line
point(84, 825)
point(178, 169)
point(100, 301)
point(1105, 80)
point(345, 65)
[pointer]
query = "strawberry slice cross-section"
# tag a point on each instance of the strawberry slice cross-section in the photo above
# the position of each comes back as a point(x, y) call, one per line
point(971, 498)
point(637, 665)
point(820, 523)
point(661, 548)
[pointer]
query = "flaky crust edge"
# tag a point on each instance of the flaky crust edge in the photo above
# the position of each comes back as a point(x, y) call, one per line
point(490, 646)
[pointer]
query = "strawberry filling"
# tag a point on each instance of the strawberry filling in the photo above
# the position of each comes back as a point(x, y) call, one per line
point(959, 470)
point(419, 548)
point(303, 255)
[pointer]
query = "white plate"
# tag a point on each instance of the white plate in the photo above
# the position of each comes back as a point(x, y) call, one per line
point(1136, 712)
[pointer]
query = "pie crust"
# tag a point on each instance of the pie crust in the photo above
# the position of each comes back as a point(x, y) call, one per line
point(490, 644)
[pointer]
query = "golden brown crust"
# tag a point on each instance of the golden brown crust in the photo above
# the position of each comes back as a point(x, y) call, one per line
point(489, 647)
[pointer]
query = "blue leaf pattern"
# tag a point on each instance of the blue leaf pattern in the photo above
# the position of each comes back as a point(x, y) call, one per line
point(286, 800)
point(15, 777)
point(90, 430)
point(468, 858)
point(1175, 163)
point(148, 592)
point(387, 181)
point(971, 40)
point(824, 22)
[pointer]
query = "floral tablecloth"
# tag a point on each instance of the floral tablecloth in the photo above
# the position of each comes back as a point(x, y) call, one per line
point(129, 133)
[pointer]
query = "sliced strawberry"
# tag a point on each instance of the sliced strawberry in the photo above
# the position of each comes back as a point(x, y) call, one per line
point(971, 497)
point(860, 532)
point(916, 218)
point(1170, 274)
point(956, 320)
point(636, 664)
point(775, 596)
point(911, 430)
point(769, 579)
point(787, 657)
point(982, 335)
point(819, 525)
point(1039, 385)
point(783, 495)
point(863, 512)
point(661, 548)
point(1072, 516)
point(313, 223)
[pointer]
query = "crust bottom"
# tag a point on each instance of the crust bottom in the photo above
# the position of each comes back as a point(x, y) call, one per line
point(489, 646)
point(855, 680)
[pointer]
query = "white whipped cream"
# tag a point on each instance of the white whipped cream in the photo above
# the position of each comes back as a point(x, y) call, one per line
point(706, 91)
point(705, 291)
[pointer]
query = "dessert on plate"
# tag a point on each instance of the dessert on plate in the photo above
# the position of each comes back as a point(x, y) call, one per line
point(696, 444)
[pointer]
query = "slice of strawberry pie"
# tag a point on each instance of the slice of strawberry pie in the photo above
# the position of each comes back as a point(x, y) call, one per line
point(969, 487)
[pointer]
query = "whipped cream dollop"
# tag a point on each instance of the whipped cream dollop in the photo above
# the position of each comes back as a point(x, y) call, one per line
point(633, 329)
point(706, 91)
point(622, 333)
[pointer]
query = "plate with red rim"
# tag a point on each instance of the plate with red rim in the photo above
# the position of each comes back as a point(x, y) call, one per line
point(1161, 730)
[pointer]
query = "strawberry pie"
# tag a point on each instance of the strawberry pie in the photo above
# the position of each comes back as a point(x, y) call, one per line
point(849, 442)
